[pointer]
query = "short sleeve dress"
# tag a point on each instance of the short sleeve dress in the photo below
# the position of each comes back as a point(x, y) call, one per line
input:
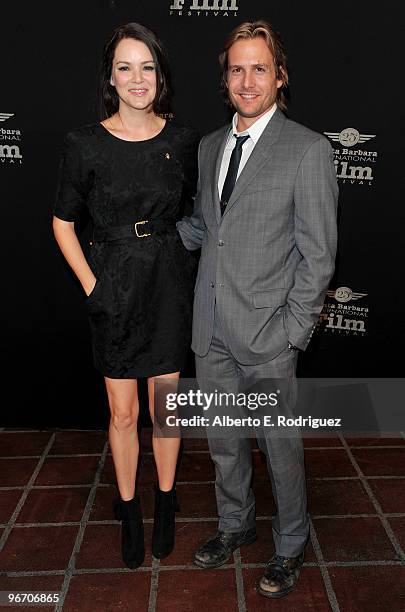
point(140, 309)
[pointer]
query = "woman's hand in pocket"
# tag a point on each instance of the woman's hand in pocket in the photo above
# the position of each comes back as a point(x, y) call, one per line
point(89, 287)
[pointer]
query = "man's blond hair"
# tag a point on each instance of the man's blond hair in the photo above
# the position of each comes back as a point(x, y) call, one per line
point(258, 29)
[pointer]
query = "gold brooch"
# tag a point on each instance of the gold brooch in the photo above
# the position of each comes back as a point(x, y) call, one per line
point(167, 155)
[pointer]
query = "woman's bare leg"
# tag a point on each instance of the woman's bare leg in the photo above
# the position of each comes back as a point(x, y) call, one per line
point(165, 450)
point(123, 434)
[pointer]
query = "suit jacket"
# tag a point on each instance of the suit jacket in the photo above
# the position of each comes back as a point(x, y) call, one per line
point(266, 264)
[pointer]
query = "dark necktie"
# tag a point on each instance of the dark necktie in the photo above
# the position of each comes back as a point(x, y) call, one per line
point(232, 173)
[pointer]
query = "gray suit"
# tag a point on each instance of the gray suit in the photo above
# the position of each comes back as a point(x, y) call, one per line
point(265, 267)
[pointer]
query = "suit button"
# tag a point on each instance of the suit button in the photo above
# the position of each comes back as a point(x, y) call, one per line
point(212, 285)
point(221, 243)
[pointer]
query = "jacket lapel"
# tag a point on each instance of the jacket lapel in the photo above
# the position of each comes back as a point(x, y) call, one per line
point(261, 153)
point(217, 152)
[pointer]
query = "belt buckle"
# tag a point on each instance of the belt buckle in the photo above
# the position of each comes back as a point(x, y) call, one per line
point(136, 229)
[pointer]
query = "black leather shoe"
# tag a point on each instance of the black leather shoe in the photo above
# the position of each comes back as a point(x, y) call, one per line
point(132, 535)
point(280, 576)
point(216, 551)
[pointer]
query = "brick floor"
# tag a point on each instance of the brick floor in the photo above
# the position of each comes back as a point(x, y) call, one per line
point(58, 533)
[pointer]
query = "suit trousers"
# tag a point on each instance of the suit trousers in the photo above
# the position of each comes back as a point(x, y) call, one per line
point(232, 452)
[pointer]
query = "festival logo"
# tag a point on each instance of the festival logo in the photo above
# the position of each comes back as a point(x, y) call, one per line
point(10, 151)
point(5, 116)
point(204, 8)
point(353, 166)
point(338, 316)
point(344, 294)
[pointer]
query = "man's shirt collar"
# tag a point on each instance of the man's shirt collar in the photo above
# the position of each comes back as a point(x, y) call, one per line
point(255, 130)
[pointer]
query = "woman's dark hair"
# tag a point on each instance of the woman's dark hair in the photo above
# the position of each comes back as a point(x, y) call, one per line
point(164, 92)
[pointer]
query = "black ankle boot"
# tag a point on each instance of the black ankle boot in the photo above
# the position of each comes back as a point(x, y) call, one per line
point(163, 523)
point(132, 540)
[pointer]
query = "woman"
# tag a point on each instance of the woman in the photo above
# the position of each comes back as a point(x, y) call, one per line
point(133, 172)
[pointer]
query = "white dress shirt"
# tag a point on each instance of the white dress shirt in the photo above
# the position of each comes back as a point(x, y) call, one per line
point(254, 133)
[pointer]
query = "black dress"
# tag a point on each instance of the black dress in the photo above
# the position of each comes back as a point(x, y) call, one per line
point(141, 306)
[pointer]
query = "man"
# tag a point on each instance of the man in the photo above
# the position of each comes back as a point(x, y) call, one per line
point(265, 217)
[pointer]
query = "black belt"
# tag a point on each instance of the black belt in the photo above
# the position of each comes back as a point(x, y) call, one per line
point(140, 229)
